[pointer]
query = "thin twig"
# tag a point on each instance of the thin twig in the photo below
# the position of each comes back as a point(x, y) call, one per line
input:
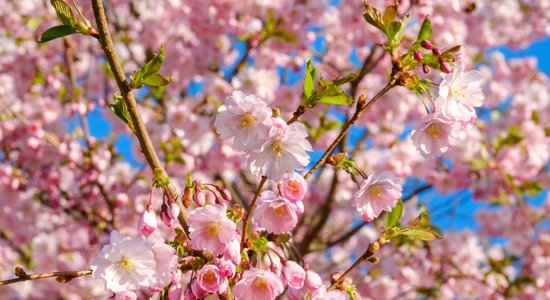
point(60, 276)
point(250, 210)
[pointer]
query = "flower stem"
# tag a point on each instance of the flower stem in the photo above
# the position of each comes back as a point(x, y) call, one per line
point(130, 101)
point(250, 210)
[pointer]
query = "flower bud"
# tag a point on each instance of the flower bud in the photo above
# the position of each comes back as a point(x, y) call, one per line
point(168, 214)
point(313, 281)
point(174, 292)
point(426, 44)
point(444, 65)
point(418, 56)
point(147, 222)
point(426, 68)
point(294, 274)
point(436, 52)
point(198, 196)
point(226, 195)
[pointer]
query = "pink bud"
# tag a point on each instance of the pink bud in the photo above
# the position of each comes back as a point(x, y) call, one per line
point(198, 196)
point(174, 292)
point(444, 65)
point(227, 268)
point(313, 281)
point(169, 213)
point(126, 295)
point(294, 274)
point(293, 187)
point(147, 222)
point(436, 52)
point(226, 195)
point(418, 56)
point(426, 44)
point(189, 295)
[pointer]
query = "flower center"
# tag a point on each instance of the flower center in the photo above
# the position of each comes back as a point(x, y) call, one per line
point(375, 190)
point(247, 119)
point(124, 264)
point(280, 211)
point(261, 284)
point(277, 147)
point(210, 276)
point(213, 229)
point(433, 130)
point(293, 185)
point(457, 93)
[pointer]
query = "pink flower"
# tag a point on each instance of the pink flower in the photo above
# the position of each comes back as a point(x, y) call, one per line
point(125, 263)
point(434, 134)
point(166, 262)
point(147, 222)
point(169, 213)
point(313, 281)
point(246, 118)
point(293, 187)
point(211, 229)
point(258, 284)
point(294, 274)
point(284, 151)
point(377, 193)
point(460, 93)
point(126, 295)
point(210, 279)
point(275, 214)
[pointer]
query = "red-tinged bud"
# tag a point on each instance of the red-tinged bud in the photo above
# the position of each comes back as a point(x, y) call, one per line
point(436, 52)
point(187, 196)
point(426, 44)
point(226, 195)
point(198, 196)
point(426, 68)
point(444, 66)
point(147, 222)
point(418, 56)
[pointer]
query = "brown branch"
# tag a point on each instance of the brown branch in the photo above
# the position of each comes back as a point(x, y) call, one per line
point(60, 276)
point(131, 104)
point(250, 210)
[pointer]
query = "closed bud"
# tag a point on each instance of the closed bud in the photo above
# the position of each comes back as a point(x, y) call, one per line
point(426, 68)
point(436, 52)
point(313, 281)
point(426, 44)
point(187, 196)
point(226, 195)
point(444, 66)
point(418, 56)
point(374, 260)
point(198, 196)
point(147, 223)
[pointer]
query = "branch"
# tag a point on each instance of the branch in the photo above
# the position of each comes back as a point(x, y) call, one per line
point(249, 213)
point(60, 276)
point(130, 101)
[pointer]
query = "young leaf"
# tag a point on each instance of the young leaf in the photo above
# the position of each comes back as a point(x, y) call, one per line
point(395, 31)
point(284, 36)
point(56, 32)
point(328, 92)
point(374, 17)
point(157, 80)
point(395, 215)
point(139, 78)
point(120, 109)
point(345, 79)
point(389, 14)
point(309, 80)
point(64, 12)
point(424, 234)
point(425, 33)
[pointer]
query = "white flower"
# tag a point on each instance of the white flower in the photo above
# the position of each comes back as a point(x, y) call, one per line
point(460, 93)
point(125, 263)
point(284, 151)
point(246, 118)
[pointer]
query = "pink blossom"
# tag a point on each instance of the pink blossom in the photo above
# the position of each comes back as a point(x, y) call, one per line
point(246, 118)
point(211, 229)
point(147, 222)
point(258, 284)
point(126, 295)
point(294, 274)
point(460, 93)
point(210, 279)
point(125, 263)
point(275, 214)
point(434, 134)
point(313, 280)
point(166, 262)
point(169, 213)
point(377, 193)
point(284, 151)
point(293, 187)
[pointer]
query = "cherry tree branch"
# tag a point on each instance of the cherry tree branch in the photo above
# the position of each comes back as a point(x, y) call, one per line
point(130, 101)
point(250, 210)
point(60, 276)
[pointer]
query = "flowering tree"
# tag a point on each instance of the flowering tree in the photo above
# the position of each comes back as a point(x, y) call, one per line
point(278, 149)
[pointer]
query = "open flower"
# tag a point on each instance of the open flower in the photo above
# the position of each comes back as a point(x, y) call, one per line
point(246, 118)
point(460, 93)
point(211, 229)
point(293, 187)
point(275, 214)
point(377, 193)
point(284, 151)
point(125, 263)
point(258, 284)
point(435, 134)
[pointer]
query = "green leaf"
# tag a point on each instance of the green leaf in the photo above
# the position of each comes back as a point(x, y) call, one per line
point(389, 14)
point(189, 179)
point(64, 12)
point(425, 32)
point(345, 79)
point(513, 137)
point(120, 109)
point(424, 234)
point(157, 80)
point(395, 32)
point(139, 78)
point(309, 79)
point(284, 36)
point(330, 93)
point(259, 245)
point(531, 187)
point(374, 17)
point(395, 215)
point(56, 32)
